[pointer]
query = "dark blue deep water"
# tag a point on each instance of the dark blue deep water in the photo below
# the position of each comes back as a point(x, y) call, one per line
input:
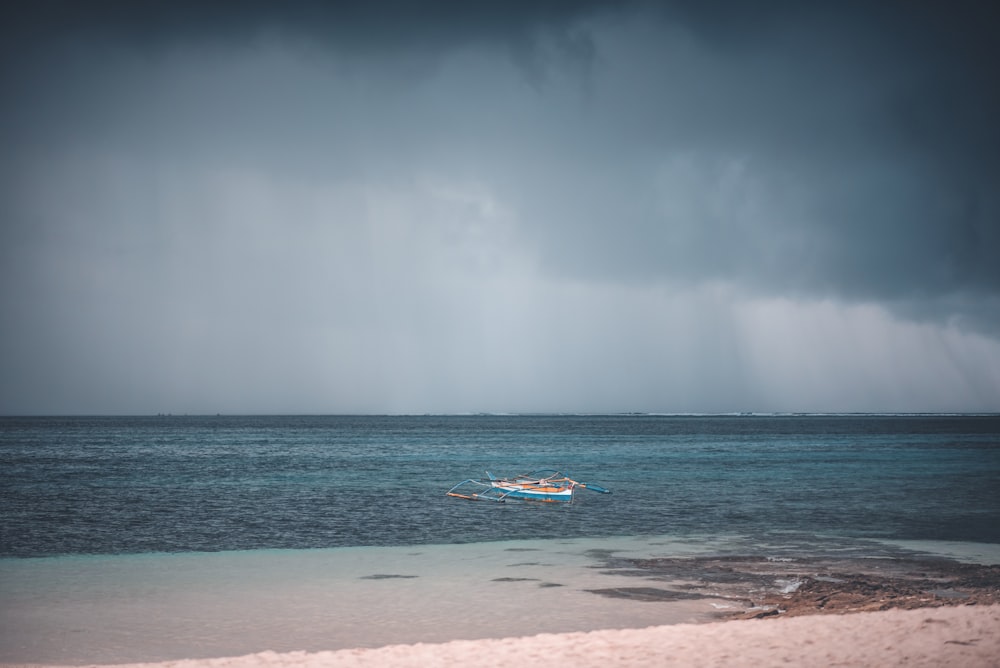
point(110, 485)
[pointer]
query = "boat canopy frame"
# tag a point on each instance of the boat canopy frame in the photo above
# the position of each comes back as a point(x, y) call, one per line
point(542, 485)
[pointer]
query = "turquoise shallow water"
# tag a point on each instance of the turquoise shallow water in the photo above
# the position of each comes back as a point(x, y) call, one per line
point(176, 484)
point(74, 610)
point(157, 607)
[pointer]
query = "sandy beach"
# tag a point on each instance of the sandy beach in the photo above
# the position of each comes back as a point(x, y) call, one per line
point(967, 636)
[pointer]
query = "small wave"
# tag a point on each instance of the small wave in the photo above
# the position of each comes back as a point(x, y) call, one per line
point(788, 586)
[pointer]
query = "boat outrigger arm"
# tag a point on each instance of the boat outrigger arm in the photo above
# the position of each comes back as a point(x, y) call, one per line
point(546, 485)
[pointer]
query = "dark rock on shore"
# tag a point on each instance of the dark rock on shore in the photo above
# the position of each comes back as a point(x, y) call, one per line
point(931, 585)
point(761, 587)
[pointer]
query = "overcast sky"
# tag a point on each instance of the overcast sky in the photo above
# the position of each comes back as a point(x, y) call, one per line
point(445, 206)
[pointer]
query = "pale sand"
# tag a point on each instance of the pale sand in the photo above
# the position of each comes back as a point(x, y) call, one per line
point(958, 637)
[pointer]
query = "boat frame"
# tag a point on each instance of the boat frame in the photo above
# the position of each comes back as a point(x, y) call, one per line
point(543, 485)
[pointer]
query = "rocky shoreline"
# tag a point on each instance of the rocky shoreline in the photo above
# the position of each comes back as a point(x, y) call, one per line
point(760, 587)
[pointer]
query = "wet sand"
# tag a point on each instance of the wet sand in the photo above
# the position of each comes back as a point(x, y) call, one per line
point(967, 636)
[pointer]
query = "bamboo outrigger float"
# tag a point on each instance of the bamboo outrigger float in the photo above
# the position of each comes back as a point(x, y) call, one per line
point(546, 485)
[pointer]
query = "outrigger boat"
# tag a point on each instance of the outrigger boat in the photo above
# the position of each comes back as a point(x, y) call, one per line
point(546, 485)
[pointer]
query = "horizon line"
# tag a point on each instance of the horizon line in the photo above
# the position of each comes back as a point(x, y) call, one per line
point(527, 414)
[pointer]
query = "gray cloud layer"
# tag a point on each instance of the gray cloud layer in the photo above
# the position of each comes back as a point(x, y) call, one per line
point(831, 151)
point(865, 137)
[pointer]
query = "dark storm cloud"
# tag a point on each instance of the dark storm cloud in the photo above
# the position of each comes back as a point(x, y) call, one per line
point(865, 133)
point(77, 68)
point(342, 25)
point(206, 183)
point(869, 130)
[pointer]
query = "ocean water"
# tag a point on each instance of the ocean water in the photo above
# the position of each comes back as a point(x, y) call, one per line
point(178, 484)
point(157, 538)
